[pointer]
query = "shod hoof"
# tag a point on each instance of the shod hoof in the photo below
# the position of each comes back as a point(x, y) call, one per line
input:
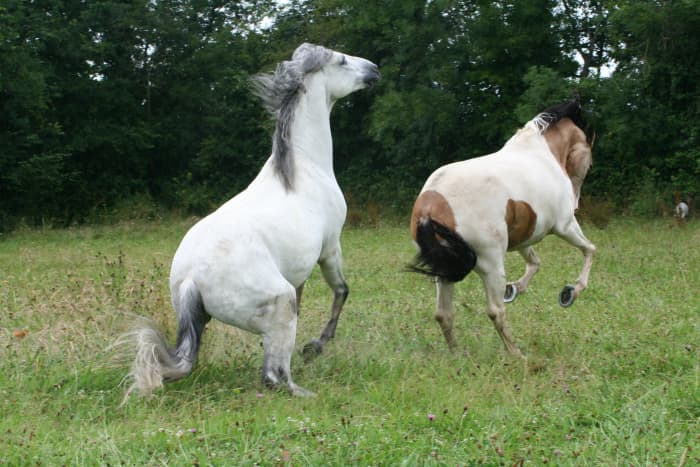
point(511, 293)
point(567, 296)
point(312, 349)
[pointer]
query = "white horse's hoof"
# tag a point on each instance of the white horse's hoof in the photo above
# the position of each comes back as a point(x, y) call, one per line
point(312, 349)
point(300, 392)
point(511, 293)
point(567, 296)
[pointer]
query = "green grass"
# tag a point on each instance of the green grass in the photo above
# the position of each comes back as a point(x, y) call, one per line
point(613, 380)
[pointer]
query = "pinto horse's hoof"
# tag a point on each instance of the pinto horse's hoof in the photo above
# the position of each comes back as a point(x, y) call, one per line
point(566, 296)
point(312, 349)
point(511, 293)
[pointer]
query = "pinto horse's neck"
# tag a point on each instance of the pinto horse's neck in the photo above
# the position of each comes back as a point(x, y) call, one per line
point(571, 150)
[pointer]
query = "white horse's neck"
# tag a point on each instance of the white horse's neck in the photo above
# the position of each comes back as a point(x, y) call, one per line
point(311, 141)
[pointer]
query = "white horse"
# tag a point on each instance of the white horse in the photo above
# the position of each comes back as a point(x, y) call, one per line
point(246, 263)
point(682, 208)
point(470, 213)
point(681, 211)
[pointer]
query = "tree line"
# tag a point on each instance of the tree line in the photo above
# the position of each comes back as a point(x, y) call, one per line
point(108, 101)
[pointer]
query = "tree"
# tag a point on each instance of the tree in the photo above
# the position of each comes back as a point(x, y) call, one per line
point(33, 158)
point(585, 33)
point(109, 99)
point(652, 130)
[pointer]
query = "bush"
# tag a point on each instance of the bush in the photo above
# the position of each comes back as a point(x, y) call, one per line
point(595, 211)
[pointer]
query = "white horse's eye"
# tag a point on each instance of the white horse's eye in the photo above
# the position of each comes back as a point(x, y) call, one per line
point(343, 60)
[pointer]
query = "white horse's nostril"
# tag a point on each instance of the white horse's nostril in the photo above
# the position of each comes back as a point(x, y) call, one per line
point(373, 75)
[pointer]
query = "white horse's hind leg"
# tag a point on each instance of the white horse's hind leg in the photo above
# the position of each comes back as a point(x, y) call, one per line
point(279, 326)
point(575, 237)
point(494, 278)
point(444, 313)
point(331, 268)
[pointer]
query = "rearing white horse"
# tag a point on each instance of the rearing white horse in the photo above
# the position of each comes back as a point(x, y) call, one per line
point(246, 263)
point(470, 213)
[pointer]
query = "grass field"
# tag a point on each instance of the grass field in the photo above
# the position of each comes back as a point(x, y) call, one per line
point(613, 380)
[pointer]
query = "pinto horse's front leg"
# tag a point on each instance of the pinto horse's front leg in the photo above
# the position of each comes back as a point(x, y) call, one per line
point(575, 237)
point(332, 270)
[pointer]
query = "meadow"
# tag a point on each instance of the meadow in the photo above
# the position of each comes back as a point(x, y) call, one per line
point(613, 380)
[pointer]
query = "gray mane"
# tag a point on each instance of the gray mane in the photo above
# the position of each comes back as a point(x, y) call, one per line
point(280, 93)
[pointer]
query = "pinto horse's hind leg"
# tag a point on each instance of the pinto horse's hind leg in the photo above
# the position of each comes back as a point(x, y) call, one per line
point(575, 237)
point(331, 268)
point(494, 278)
point(532, 265)
point(444, 313)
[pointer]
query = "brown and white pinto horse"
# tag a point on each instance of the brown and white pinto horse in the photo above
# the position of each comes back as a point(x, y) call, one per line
point(470, 213)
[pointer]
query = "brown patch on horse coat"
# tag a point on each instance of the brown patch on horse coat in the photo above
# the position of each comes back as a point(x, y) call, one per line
point(521, 220)
point(572, 151)
point(570, 148)
point(432, 204)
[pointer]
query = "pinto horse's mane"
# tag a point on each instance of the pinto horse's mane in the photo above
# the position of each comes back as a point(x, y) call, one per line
point(280, 93)
point(550, 116)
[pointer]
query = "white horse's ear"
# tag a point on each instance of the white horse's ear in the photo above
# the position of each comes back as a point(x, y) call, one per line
point(310, 57)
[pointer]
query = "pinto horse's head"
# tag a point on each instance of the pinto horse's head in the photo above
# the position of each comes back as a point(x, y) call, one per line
point(564, 130)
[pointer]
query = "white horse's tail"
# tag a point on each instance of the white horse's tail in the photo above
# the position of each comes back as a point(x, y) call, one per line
point(155, 362)
point(443, 252)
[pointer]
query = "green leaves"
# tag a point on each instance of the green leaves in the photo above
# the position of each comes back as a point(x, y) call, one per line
point(106, 100)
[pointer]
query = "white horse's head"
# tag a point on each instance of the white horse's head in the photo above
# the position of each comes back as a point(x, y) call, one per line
point(320, 73)
point(340, 74)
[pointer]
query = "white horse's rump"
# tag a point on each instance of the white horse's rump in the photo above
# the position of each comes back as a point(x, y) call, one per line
point(245, 264)
point(681, 211)
point(470, 213)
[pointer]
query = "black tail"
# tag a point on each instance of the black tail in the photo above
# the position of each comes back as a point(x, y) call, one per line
point(443, 252)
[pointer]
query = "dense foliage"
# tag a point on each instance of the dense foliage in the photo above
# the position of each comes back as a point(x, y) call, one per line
point(106, 101)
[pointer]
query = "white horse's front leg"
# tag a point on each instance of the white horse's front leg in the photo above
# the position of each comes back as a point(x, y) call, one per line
point(332, 270)
point(575, 237)
point(532, 265)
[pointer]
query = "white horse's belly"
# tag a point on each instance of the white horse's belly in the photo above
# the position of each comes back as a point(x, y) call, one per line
point(237, 292)
point(242, 259)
